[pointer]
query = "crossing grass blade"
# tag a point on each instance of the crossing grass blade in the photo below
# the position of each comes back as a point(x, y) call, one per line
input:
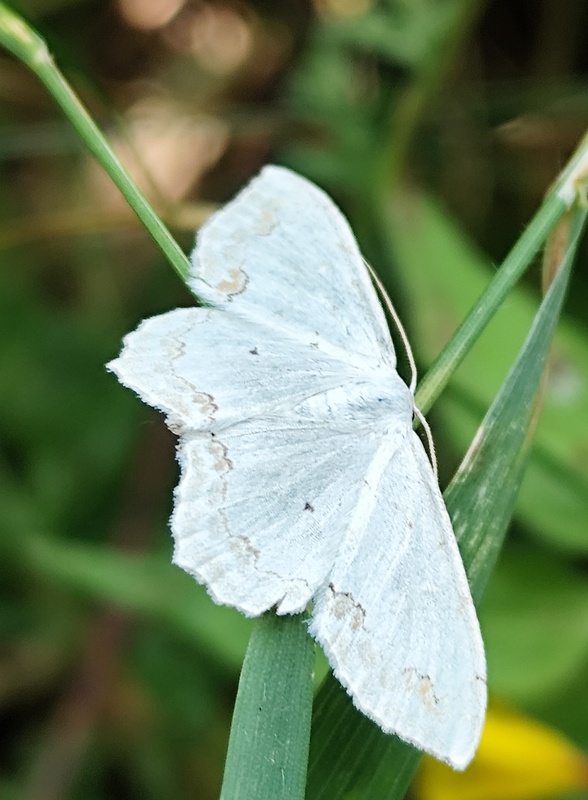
point(350, 757)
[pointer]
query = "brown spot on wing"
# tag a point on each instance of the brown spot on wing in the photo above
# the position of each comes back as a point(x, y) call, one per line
point(234, 283)
point(205, 403)
point(219, 451)
point(345, 606)
point(266, 223)
point(423, 685)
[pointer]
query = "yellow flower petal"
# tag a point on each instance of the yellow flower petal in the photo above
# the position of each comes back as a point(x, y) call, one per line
point(518, 759)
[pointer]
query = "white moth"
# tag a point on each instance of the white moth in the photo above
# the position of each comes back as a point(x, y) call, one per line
point(302, 478)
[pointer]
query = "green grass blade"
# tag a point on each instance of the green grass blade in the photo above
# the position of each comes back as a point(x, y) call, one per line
point(26, 44)
point(268, 746)
point(140, 583)
point(534, 617)
point(480, 501)
point(553, 501)
point(514, 265)
point(570, 184)
point(482, 495)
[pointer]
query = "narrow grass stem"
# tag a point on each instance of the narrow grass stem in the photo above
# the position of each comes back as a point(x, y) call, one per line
point(517, 261)
point(570, 187)
point(23, 42)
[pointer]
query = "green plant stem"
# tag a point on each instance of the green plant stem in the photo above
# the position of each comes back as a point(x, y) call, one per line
point(569, 187)
point(26, 44)
point(507, 276)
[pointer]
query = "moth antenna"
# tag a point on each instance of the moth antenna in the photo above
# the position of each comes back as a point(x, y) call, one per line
point(432, 454)
point(399, 326)
point(413, 380)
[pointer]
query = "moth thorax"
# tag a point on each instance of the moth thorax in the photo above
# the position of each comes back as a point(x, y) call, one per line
point(361, 399)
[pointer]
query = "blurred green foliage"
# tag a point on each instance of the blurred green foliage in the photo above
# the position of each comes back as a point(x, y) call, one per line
point(117, 674)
